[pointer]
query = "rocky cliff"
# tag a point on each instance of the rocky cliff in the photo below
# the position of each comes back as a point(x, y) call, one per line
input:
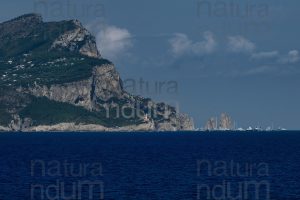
point(54, 79)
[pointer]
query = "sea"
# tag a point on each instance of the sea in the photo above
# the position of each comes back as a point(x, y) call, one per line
point(150, 166)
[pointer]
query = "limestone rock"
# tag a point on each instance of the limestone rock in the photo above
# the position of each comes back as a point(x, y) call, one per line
point(79, 40)
point(211, 124)
point(225, 122)
point(62, 50)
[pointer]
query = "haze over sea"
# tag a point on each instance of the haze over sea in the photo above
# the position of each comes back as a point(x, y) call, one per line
point(150, 166)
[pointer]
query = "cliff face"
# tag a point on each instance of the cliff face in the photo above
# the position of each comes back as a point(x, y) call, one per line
point(54, 79)
point(104, 84)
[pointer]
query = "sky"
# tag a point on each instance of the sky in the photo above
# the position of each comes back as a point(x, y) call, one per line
point(205, 57)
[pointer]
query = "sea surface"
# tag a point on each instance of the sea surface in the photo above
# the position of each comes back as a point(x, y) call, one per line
point(150, 166)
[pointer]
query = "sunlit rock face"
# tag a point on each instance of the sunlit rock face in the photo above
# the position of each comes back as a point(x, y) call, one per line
point(78, 39)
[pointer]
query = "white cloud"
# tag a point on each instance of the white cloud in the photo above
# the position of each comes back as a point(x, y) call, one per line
point(263, 55)
point(208, 45)
point(293, 56)
point(181, 44)
point(240, 44)
point(113, 41)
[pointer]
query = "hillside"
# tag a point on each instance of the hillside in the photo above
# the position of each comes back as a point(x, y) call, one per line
point(53, 78)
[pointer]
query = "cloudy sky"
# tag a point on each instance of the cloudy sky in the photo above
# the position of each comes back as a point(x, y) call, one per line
point(205, 57)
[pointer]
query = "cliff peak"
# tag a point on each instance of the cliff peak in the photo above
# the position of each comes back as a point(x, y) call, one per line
point(28, 33)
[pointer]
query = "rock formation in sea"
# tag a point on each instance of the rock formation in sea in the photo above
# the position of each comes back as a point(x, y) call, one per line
point(225, 122)
point(211, 124)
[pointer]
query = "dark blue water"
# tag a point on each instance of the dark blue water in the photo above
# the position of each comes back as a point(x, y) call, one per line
point(150, 166)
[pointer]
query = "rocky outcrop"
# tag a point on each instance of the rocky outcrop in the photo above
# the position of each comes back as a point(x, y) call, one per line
point(211, 124)
point(185, 122)
point(180, 122)
point(225, 122)
point(99, 91)
point(79, 40)
point(106, 83)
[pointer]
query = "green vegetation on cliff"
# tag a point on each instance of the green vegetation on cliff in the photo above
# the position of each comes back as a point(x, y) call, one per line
point(46, 69)
point(43, 111)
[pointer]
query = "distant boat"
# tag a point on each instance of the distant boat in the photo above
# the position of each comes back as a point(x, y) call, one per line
point(258, 129)
point(269, 128)
point(281, 129)
point(249, 128)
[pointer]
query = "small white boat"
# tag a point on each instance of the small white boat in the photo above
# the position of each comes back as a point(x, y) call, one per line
point(249, 128)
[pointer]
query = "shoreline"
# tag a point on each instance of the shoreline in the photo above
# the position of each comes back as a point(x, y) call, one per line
point(147, 131)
